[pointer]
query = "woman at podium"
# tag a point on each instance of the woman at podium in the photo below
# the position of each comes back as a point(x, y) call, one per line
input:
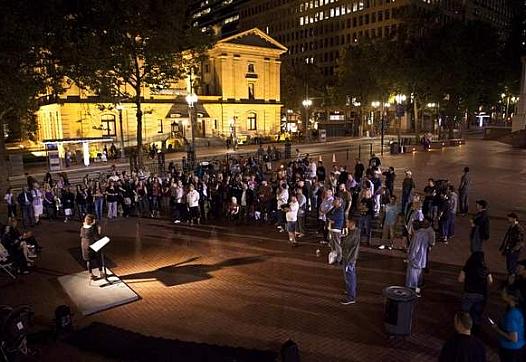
point(89, 234)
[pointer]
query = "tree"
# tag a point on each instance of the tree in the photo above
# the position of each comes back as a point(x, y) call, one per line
point(299, 80)
point(116, 48)
point(26, 66)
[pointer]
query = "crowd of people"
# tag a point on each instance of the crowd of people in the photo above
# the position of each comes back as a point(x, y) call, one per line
point(342, 206)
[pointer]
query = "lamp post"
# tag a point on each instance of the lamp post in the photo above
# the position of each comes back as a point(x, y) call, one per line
point(307, 103)
point(400, 98)
point(191, 99)
point(120, 107)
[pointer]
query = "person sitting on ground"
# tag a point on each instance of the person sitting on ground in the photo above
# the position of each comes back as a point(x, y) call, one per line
point(16, 248)
point(462, 346)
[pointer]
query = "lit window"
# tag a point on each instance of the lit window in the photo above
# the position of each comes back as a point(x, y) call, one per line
point(332, 13)
point(108, 124)
point(301, 21)
point(251, 94)
point(337, 12)
point(251, 122)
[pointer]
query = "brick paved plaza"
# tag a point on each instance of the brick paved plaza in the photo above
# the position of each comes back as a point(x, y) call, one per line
point(245, 286)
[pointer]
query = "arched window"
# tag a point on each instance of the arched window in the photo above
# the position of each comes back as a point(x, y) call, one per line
point(252, 122)
point(108, 125)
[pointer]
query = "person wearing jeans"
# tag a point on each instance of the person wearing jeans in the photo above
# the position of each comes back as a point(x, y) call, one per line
point(350, 248)
point(111, 198)
point(513, 243)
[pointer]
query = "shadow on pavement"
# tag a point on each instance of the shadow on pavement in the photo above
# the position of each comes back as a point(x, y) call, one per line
point(124, 345)
point(184, 273)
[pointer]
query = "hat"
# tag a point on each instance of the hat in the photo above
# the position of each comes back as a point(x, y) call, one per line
point(482, 203)
point(408, 172)
point(513, 215)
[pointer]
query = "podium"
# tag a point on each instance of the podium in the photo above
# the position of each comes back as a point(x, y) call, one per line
point(98, 247)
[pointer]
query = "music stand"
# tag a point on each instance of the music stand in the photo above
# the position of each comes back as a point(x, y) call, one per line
point(97, 247)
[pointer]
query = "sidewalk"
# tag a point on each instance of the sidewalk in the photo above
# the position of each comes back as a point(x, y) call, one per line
point(202, 153)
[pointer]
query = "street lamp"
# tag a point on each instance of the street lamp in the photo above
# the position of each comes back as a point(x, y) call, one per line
point(191, 99)
point(119, 108)
point(400, 98)
point(306, 103)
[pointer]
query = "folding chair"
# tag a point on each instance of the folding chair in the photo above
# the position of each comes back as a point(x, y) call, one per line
point(8, 267)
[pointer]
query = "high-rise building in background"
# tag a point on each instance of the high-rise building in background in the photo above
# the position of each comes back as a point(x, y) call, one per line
point(218, 16)
point(317, 31)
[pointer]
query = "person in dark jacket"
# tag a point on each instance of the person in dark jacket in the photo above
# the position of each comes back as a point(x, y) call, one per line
point(480, 227)
point(390, 177)
point(350, 250)
point(25, 200)
point(68, 203)
point(336, 219)
point(463, 347)
point(513, 243)
point(476, 279)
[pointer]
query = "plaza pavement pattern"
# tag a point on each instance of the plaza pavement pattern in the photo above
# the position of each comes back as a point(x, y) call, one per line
point(245, 286)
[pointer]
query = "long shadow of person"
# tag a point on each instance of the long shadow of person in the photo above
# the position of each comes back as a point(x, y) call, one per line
point(184, 273)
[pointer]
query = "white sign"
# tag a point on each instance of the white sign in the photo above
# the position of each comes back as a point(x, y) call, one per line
point(54, 160)
point(99, 244)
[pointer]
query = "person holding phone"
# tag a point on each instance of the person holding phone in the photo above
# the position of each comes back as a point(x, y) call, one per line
point(511, 329)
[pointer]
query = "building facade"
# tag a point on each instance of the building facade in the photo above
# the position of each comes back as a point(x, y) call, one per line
point(218, 16)
point(238, 95)
point(319, 31)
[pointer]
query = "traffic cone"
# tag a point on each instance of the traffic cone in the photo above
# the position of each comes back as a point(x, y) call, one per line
point(333, 158)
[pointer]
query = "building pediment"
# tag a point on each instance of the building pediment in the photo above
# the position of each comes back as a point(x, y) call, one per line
point(254, 38)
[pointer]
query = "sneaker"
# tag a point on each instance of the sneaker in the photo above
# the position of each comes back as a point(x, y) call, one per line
point(381, 247)
point(390, 247)
point(347, 301)
point(177, 221)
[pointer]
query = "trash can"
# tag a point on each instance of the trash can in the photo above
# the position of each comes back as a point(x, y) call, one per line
point(399, 306)
point(394, 148)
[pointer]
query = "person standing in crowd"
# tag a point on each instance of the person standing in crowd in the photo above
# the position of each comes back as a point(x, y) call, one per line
point(512, 243)
point(50, 203)
point(282, 197)
point(464, 189)
point(346, 198)
point(112, 197)
point(325, 207)
point(462, 346)
point(408, 185)
point(37, 201)
point(336, 221)
point(291, 215)
point(510, 330)
point(390, 177)
point(417, 257)
point(302, 203)
point(192, 200)
point(350, 250)
point(476, 279)
point(479, 227)
point(89, 233)
point(453, 207)
point(68, 203)
point(25, 200)
point(359, 169)
point(99, 200)
point(9, 199)
point(320, 172)
point(388, 229)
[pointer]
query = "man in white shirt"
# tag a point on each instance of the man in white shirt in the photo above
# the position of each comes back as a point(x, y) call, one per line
point(282, 196)
point(177, 191)
point(192, 199)
point(291, 214)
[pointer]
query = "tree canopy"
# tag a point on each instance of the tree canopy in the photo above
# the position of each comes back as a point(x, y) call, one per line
point(116, 48)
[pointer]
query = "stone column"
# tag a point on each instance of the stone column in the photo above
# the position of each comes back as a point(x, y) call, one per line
point(519, 119)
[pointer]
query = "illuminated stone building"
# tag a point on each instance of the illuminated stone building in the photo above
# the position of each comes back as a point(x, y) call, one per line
point(238, 95)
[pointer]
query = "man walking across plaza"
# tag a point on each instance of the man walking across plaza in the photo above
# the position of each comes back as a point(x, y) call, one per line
point(350, 249)
point(513, 243)
point(463, 192)
point(479, 227)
